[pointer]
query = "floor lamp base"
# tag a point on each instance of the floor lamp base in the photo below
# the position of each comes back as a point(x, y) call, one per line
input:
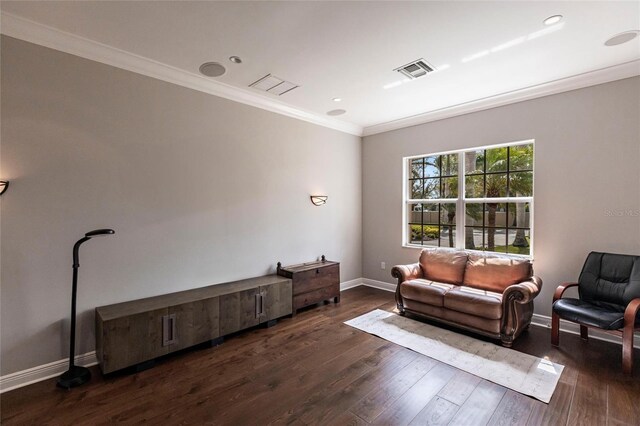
point(73, 377)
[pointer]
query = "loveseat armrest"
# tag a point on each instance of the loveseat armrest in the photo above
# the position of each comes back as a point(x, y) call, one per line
point(403, 273)
point(406, 272)
point(561, 289)
point(518, 308)
point(523, 292)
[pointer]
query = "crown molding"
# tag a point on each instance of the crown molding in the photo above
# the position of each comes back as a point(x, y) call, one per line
point(592, 78)
point(34, 32)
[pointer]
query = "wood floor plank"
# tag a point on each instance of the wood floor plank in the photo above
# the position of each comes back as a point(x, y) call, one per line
point(318, 384)
point(589, 405)
point(381, 397)
point(623, 401)
point(514, 409)
point(409, 404)
point(438, 412)
point(460, 387)
point(557, 411)
point(330, 401)
point(479, 407)
point(346, 419)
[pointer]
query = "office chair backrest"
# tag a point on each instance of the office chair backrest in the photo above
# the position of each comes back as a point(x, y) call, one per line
point(610, 278)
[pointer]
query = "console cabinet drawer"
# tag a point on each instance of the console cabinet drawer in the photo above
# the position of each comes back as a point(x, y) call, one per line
point(313, 282)
point(316, 278)
point(316, 296)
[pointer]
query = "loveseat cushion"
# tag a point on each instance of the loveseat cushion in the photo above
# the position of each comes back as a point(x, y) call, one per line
point(473, 301)
point(442, 265)
point(455, 318)
point(495, 273)
point(425, 291)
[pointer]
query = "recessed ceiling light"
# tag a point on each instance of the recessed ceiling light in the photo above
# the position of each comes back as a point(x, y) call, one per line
point(235, 59)
point(553, 19)
point(337, 99)
point(212, 69)
point(622, 38)
point(336, 112)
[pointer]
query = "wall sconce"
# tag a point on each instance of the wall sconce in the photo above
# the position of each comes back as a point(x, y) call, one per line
point(318, 200)
point(4, 184)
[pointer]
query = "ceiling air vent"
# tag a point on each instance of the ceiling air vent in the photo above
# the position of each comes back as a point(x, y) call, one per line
point(416, 69)
point(272, 84)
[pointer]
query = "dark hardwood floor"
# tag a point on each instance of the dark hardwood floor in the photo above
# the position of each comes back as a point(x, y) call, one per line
point(313, 369)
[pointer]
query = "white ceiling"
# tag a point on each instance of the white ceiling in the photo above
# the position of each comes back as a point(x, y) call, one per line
point(349, 49)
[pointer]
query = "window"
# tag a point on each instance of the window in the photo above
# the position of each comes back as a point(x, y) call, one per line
point(478, 199)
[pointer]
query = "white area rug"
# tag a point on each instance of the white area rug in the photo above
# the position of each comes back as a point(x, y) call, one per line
point(521, 372)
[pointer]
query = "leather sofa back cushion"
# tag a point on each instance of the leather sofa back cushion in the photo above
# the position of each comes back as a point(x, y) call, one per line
point(445, 266)
point(495, 273)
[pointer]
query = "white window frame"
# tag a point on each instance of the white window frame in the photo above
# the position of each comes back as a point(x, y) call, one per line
point(461, 200)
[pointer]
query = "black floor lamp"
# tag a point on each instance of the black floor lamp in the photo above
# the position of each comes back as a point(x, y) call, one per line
point(77, 375)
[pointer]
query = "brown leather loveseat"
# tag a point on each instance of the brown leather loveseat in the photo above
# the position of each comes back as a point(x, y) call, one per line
point(488, 294)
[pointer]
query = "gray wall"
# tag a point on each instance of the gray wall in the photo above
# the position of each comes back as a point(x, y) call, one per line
point(199, 189)
point(587, 177)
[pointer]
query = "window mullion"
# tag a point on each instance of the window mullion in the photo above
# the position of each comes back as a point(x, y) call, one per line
point(460, 229)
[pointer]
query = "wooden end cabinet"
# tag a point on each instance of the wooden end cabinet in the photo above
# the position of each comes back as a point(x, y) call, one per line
point(138, 331)
point(313, 282)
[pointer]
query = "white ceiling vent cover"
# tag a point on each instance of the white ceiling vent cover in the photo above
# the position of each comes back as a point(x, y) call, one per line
point(272, 84)
point(416, 69)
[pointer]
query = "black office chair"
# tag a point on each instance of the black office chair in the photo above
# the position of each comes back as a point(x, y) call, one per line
point(609, 289)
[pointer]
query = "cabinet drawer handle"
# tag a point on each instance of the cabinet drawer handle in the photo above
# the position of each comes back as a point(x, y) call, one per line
point(258, 306)
point(174, 332)
point(169, 334)
point(262, 297)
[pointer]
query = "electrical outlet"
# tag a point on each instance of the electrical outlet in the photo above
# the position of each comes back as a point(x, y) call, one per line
point(383, 265)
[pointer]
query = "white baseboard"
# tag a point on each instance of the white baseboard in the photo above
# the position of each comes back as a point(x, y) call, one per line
point(43, 372)
point(351, 284)
point(573, 328)
point(379, 284)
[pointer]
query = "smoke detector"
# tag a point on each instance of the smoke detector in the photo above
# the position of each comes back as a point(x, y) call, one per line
point(415, 69)
point(272, 84)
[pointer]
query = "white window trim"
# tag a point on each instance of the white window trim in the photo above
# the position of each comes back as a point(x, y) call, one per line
point(461, 200)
